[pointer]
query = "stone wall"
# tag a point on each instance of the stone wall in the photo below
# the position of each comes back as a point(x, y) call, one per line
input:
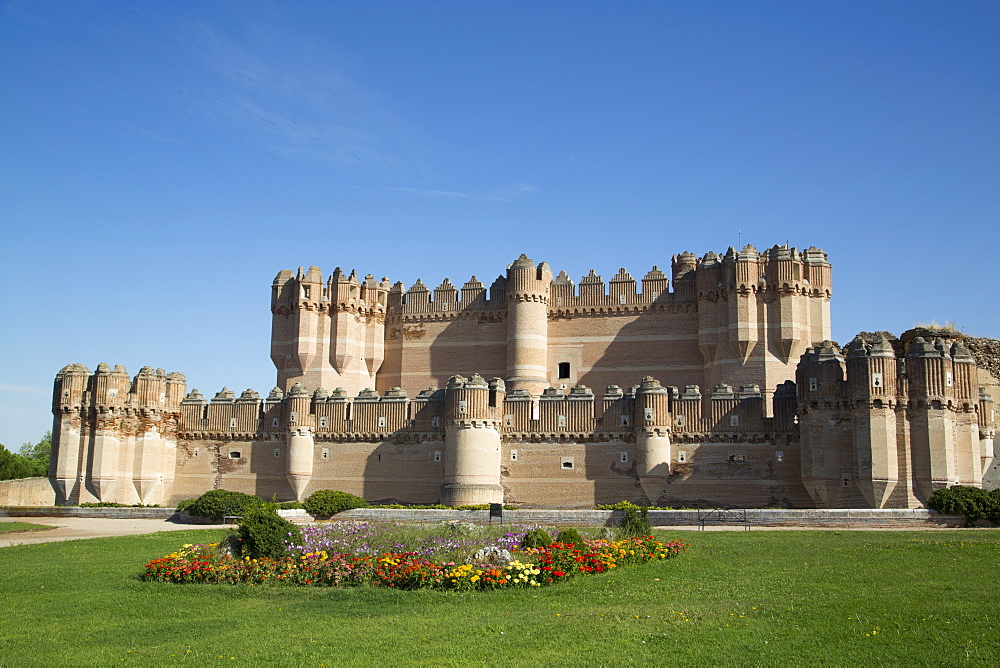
point(27, 492)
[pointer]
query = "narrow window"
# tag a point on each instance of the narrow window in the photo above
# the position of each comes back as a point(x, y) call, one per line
point(436, 421)
point(648, 414)
point(558, 301)
point(563, 369)
point(682, 456)
point(463, 406)
point(235, 454)
point(567, 463)
point(679, 420)
point(323, 421)
point(306, 290)
point(847, 481)
point(623, 457)
point(562, 420)
point(779, 456)
point(437, 455)
point(624, 420)
point(513, 455)
point(197, 452)
point(734, 420)
point(812, 384)
point(621, 299)
point(277, 452)
point(291, 416)
point(325, 454)
point(948, 379)
point(232, 423)
point(274, 422)
point(381, 422)
point(876, 380)
point(508, 420)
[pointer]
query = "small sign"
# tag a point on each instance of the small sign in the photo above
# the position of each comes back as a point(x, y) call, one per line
point(496, 510)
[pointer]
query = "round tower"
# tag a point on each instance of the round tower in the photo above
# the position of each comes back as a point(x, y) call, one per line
point(652, 437)
point(472, 442)
point(68, 430)
point(300, 440)
point(527, 325)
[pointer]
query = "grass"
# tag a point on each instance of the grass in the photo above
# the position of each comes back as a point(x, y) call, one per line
point(18, 527)
point(920, 598)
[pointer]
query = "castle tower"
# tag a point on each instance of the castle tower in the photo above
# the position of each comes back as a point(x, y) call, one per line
point(987, 428)
point(963, 402)
point(472, 441)
point(328, 335)
point(652, 437)
point(70, 409)
point(527, 325)
point(743, 329)
point(301, 444)
point(113, 430)
point(825, 463)
point(871, 393)
point(932, 438)
point(149, 444)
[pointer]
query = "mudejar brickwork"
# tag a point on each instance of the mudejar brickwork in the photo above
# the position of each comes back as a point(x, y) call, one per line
point(716, 385)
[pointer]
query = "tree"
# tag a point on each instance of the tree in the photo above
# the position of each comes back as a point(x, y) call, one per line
point(38, 452)
point(31, 462)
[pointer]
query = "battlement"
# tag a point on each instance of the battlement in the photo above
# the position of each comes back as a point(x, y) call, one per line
point(779, 269)
point(555, 415)
point(110, 389)
point(934, 373)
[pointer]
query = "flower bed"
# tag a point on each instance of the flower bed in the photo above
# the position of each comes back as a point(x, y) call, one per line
point(408, 568)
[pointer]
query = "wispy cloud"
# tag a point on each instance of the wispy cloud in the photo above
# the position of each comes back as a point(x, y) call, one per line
point(293, 102)
point(500, 195)
point(25, 389)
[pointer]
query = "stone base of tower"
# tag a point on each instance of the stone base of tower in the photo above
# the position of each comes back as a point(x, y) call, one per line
point(458, 494)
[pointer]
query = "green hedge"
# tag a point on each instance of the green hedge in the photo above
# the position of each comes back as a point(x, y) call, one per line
point(217, 504)
point(972, 503)
point(324, 503)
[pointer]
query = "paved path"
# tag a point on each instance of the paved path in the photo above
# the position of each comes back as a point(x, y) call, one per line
point(75, 528)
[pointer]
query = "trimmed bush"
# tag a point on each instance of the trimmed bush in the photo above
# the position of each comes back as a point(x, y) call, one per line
point(972, 503)
point(536, 538)
point(635, 523)
point(571, 537)
point(265, 534)
point(216, 504)
point(325, 503)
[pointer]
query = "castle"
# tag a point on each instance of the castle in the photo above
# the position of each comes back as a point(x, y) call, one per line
point(757, 407)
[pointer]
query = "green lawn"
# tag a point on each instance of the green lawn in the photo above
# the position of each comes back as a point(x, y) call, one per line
point(17, 527)
point(771, 598)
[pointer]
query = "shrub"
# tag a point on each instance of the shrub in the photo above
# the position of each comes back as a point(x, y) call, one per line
point(536, 538)
point(635, 523)
point(571, 537)
point(972, 503)
point(264, 534)
point(324, 503)
point(184, 505)
point(290, 505)
point(216, 504)
point(621, 505)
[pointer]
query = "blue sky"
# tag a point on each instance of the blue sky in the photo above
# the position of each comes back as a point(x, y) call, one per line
point(161, 161)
